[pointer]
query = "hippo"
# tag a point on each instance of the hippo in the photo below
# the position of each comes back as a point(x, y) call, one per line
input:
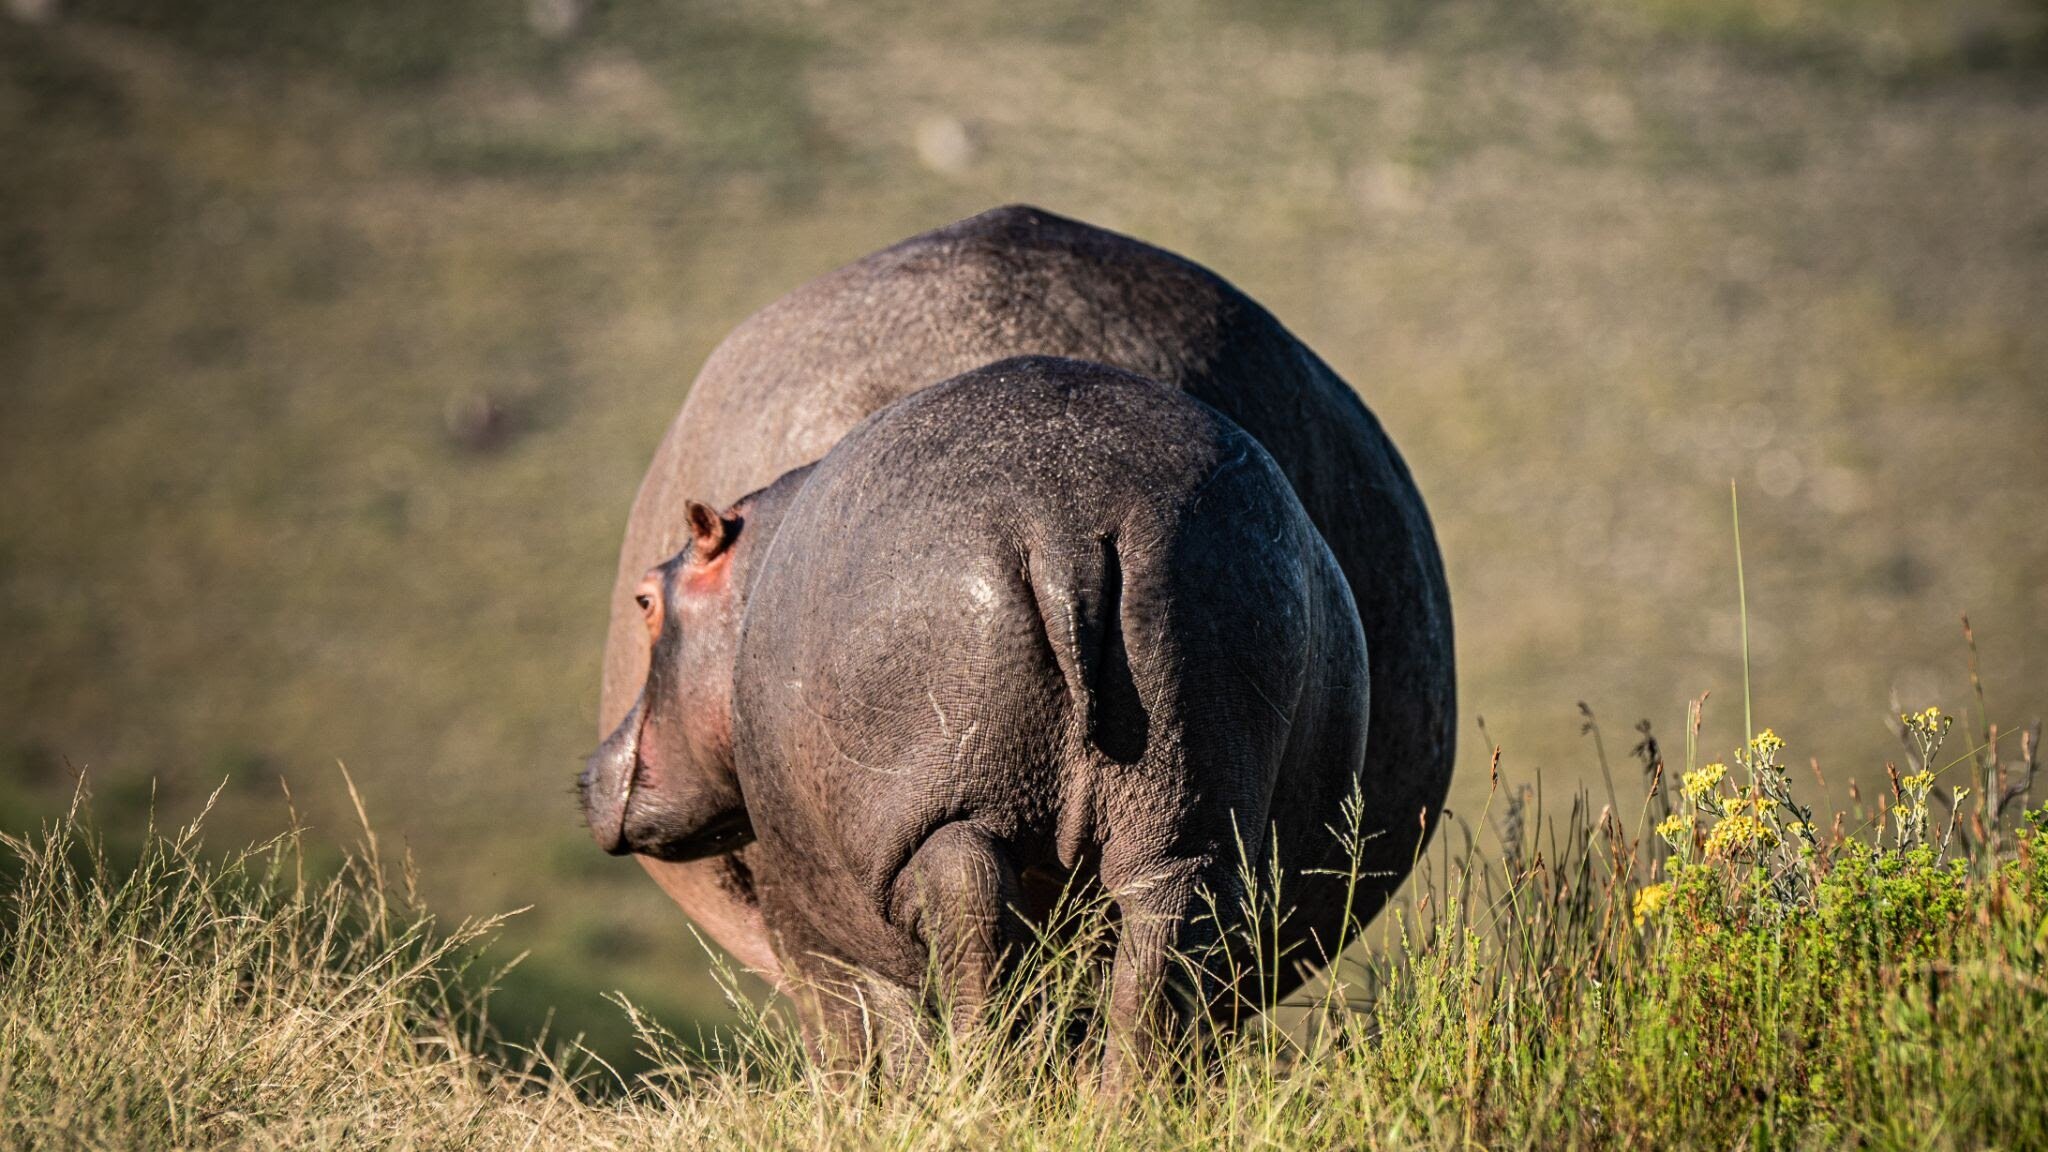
point(783, 388)
point(1046, 619)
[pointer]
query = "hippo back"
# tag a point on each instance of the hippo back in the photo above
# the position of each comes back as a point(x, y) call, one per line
point(782, 389)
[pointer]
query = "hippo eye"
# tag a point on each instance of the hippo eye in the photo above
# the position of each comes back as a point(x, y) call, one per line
point(648, 597)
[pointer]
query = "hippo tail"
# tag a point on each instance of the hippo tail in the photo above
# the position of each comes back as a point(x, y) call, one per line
point(1079, 593)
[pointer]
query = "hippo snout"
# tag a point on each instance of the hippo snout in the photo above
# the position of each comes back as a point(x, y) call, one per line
point(607, 785)
point(634, 807)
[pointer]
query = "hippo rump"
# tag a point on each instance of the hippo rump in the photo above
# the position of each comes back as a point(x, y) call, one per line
point(789, 382)
point(1046, 619)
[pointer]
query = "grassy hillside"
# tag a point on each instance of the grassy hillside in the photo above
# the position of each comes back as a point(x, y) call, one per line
point(333, 339)
point(1734, 977)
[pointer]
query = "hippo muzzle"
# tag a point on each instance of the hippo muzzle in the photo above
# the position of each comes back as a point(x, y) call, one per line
point(633, 809)
point(607, 784)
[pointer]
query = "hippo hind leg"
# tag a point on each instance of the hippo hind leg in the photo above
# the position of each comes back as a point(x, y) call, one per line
point(959, 897)
point(1164, 980)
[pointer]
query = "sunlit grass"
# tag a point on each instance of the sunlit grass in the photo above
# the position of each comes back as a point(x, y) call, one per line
point(1571, 986)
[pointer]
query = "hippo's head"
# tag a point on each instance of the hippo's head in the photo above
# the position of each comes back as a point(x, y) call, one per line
point(662, 784)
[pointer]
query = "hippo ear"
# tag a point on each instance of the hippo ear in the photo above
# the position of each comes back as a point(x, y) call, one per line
point(713, 533)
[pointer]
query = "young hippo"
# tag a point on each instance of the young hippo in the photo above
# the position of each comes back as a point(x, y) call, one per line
point(1045, 622)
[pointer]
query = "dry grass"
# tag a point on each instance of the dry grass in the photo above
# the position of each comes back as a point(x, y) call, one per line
point(1532, 996)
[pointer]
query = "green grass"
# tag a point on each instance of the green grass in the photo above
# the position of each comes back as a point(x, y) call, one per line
point(1714, 984)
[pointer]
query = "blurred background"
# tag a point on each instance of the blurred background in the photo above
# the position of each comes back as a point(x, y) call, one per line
point(334, 339)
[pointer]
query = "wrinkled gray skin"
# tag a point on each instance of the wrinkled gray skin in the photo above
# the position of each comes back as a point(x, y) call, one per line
point(1044, 620)
point(788, 383)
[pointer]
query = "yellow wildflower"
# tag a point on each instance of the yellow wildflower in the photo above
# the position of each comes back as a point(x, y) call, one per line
point(1918, 782)
point(1676, 829)
point(1739, 834)
point(1650, 900)
point(1766, 743)
point(1699, 783)
point(1928, 721)
point(1757, 805)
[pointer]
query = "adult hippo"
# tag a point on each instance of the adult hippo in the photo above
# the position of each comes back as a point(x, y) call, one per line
point(790, 381)
point(1044, 620)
